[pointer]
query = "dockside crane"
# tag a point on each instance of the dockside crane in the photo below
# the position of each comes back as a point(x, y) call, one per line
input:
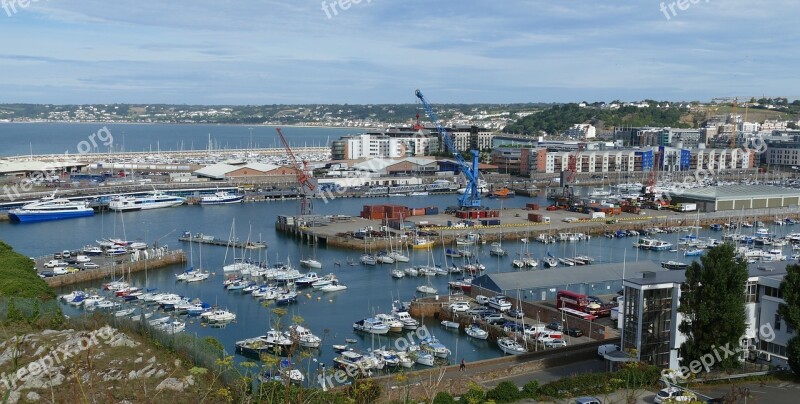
point(304, 179)
point(472, 195)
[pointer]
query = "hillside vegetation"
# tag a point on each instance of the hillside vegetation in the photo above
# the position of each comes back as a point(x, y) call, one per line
point(18, 278)
point(561, 117)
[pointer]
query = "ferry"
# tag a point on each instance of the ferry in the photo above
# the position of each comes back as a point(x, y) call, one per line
point(154, 200)
point(50, 208)
point(221, 198)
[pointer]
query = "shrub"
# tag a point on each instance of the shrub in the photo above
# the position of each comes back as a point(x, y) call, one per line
point(474, 395)
point(505, 392)
point(444, 397)
point(530, 389)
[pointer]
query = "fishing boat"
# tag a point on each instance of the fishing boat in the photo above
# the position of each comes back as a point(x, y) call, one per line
point(433, 346)
point(475, 331)
point(353, 363)
point(221, 198)
point(154, 200)
point(307, 280)
point(422, 243)
point(409, 323)
point(510, 346)
point(50, 208)
point(218, 316)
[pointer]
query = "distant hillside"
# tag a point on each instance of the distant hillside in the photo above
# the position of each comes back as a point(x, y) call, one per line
point(561, 117)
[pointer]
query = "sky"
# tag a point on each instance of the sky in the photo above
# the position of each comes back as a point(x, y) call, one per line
point(380, 51)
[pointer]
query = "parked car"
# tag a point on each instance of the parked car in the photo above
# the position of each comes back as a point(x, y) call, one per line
point(57, 256)
point(46, 274)
point(55, 263)
point(481, 299)
point(65, 254)
point(89, 265)
point(587, 400)
point(72, 270)
point(478, 311)
point(549, 336)
point(674, 394)
point(555, 343)
point(82, 258)
point(459, 307)
point(495, 318)
point(574, 332)
point(555, 326)
point(59, 271)
point(516, 313)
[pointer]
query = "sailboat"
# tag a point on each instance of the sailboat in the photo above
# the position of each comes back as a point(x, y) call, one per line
point(550, 261)
point(311, 262)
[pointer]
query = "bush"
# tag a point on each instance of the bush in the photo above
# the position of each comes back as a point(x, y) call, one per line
point(505, 392)
point(474, 395)
point(444, 397)
point(530, 389)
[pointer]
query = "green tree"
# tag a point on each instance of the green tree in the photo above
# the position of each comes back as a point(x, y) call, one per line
point(712, 303)
point(790, 311)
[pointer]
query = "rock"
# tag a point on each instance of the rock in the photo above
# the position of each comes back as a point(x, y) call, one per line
point(152, 360)
point(171, 383)
point(161, 373)
point(119, 340)
point(13, 397)
point(138, 360)
point(32, 396)
point(39, 352)
point(133, 375)
point(50, 332)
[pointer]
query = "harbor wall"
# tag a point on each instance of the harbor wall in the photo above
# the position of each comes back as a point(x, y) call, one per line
point(106, 272)
point(425, 384)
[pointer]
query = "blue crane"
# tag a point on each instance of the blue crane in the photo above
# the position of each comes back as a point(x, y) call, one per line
point(471, 197)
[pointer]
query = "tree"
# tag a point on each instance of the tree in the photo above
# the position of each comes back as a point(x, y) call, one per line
point(712, 303)
point(790, 311)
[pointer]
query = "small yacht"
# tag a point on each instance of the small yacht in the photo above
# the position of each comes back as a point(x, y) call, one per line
point(477, 332)
point(50, 208)
point(510, 346)
point(371, 325)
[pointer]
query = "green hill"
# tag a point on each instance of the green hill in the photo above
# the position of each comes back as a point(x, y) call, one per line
point(18, 277)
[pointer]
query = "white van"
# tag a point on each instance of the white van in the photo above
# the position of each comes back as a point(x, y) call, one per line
point(482, 300)
point(603, 349)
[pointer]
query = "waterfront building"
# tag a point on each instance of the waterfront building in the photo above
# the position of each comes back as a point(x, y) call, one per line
point(737, 197)
point(650, 318)
point(261, 172)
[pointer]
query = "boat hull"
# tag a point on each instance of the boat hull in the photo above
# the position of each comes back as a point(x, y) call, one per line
point(30, 217)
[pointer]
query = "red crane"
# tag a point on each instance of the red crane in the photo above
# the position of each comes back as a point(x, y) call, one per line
point(307, 186)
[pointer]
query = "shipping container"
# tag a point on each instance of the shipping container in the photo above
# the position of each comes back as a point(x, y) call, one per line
point(535, 217)
point(532, 206)
point(432, 210)
point(494, 222)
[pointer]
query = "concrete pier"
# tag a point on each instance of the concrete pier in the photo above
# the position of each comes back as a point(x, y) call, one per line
point(118, 269)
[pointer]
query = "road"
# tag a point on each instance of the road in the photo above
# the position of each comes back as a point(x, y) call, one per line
point(548, 375)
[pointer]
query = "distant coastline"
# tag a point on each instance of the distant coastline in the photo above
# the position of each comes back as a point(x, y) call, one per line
point(197, 123)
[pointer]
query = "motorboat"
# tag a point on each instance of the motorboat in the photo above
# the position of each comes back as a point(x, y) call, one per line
point(475, 331)
point(277, 340)
point(218, 316)
point(405, 360)
point(325, 280)
point(397, 274)
point(310, 263)
point(693, 252)
point(500, 303)
point(334, 286)
point(517, 263)
point(221, 198)
point(420, 356)
point(371, 325)
point(453, 253)
point(530, 262)
point(286, 297)
point(172, 327)
point(154, 200)
point(304, 337)
point(433, 346)
point(674, 265)
point(307, 279)
point(124, 312)
point(450, 324)
point(353, 363)
point(369, 259)
point(510, 346)
point(253, 346)
point(422, 244)
point(387, 356)
point(50, 208)
point(409, 323)
point(197, 309)
point(394, 324)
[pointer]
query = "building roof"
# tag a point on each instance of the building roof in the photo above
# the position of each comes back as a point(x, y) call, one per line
point(35, 165)
point(732, 192)
point(374, 164)
point(263, 167)
point(216, 171)
point(759, 269)
point(557, 277)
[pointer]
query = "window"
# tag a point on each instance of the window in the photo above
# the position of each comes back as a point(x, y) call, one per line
point(777, 322)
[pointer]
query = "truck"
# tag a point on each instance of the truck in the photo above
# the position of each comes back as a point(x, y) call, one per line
point(686, 207)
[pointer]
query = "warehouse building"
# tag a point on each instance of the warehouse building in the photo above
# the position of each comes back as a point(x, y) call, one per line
point(737, 197)
point(543, 285)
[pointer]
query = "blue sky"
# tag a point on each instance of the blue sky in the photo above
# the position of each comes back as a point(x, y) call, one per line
point(267, 51)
